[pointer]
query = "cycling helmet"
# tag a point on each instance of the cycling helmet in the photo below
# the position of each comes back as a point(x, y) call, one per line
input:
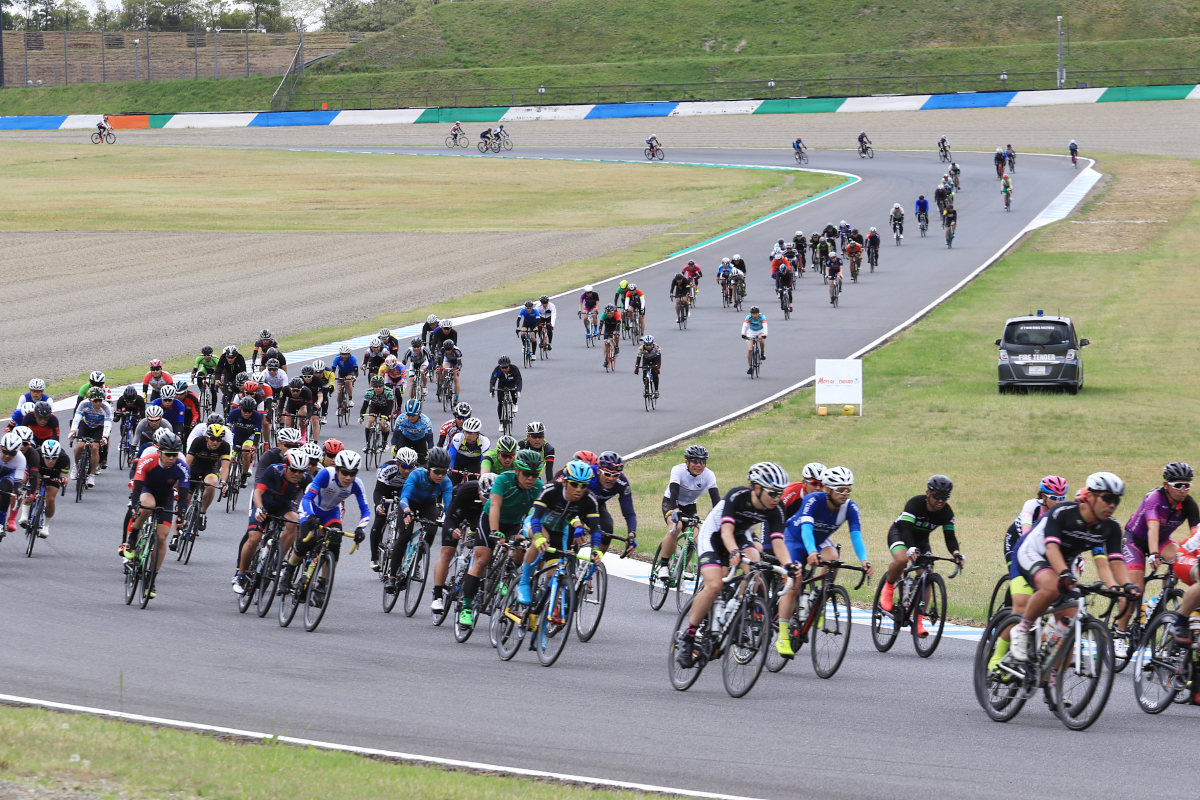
point(895, 206)
point(940, 486)
point(1104, 483)
point(385, 333)
point(50, 450)
point(633, 287)
point(307, 372)
point(535, 428)
point(755, 310)
point(319, 366)
point(504, 361)
point(578, 472)
point(348, 460)
point(211, 418)
point(737, 256)
point(1055, 485)
point(42, 408)
point(1177, 471)
point(242, 377)
point(273, 363)
point(333, 447)
point(462, 410)
point(1004, 176)
point(724, 260)
point(296, 383)
point(610, 308)
point(696, 452)
point(921, 197)
point(166, 393)
point(999, 149)
point(95, 393)
point(169, 443)
point(250, 387)
point(248, 404)
point(431, 319)
point(216, 430)
point(586, 456)
point(610, 461)
point(206, 350)
point(837, 478)
point(472, 425)
point(154, 364)
point(230, 350)
point(97, 378)
point(447, 345)
point(297, 459)
point(530, 461)
point(412, 407)
point(130, 392)
point(313, 451)
point(438, 458)
point(265, 333)
point(623, 285)
point(25, 432)
point(813, 471)
point(154, 412)
point(289, 436)
point(529, 304)
point(589, 288)
point(407, 457)
point(28, 408)
point(390, 362)
point(37, 385)
point(768, 475)
point(800, 233)
point(485, 484)
point(544, 298)
point(181, 387)
point(376, 342)
point(506, 444)
point(414, 343)
point(344, 349)
point(274, 353)
point(872, 229)
point(161, 434)
point(377, 380)
point(647, 339)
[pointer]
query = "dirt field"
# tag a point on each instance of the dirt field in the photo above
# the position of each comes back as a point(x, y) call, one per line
point(146, 289)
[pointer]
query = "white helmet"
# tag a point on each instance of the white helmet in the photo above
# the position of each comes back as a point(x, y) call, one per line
point(50, 449)
point(347, 459)
point(376, 342)
point(873, 229)
point(407, 456)
point(28, 407)
point(799, 233)
point(485, 483)
point(25, 432)
point(11, 441)
point(737, 256)
point(344, 349)
point(37, 385)
point(999, 149)
point(289, 436)
point(472, 425)
point(837, 478)
point(297, 459)
point(589, 288)
point(431, 319)
point(1105, 482)
point(768, 475)
point(154, 412)
point(312, 451)
point(167, 392)
point(895, 205)
point(844, 221)
point(724, 260)
point(813, 471)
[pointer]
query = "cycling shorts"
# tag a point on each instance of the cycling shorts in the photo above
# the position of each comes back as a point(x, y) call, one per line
point(896, 539)
point(713, 552)
point(1134, 551)
point(166, 505)
point(274, 510)
point(507, 529)
point(685, 509)
point(797, 550)
point(1185, 565)
point(1019, 586)
point(88, 432)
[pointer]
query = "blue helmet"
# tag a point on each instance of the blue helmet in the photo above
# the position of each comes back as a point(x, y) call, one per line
point(578, 472)
point(412, 407)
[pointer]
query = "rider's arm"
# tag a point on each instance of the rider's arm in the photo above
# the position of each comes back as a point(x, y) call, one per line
point(856, 537)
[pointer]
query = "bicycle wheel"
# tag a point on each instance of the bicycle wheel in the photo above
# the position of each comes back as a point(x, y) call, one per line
point(96, 137)
point(554, 623)
point(133, 575)
point(1133, 635)
point(660, 154)
point(883, 625)
point(1159, 667)
point(122, 455)
point(509, 624)
point(831, 633)
point(186, 543)
point(418, 573)
point(527, 355)
point(687, 576)
point(149, 569)
point(743, 659)
point(110, 138)
point(658, 589)
point(246, 598)
point(316, 598)
point(998, 692)
point(451, 141)
point(647, 397)
point(481, 147)
point(775, 662)
point(1084, 683)
point(81, 473)
point(803, 157)
point(292, 599)
point(32, 524)
point(385, 566)
point(1001, 598)
point(934, 612)
point(870, 152)
point(268, 578)
point(649, 154)
point(682, 678)
point(589, 603)
point(506, 143)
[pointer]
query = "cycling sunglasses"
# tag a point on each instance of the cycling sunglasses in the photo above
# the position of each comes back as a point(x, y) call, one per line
point(577, 484)
point(1111, 499)
point(437, 472)
point(1058, 498)
point(350, 473)
point(1182, 486)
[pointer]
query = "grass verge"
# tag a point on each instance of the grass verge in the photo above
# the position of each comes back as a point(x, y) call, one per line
point(932, 404)
point(80, 753)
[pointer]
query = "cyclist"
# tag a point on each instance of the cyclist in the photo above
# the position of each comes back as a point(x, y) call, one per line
point(944, 146)
point(854, 253)
point(693, 273)
point(1011, 156)
point(566, 511)
point(276, 493)
point(466, 451)
point(610, 329)
point(160, 481)
point(794, 493)
point(144, 434)
point(453, 425)
point(207, 463)
point(535, 440)
point(509, 498)
point(55, 467)
point(375, 355)
point(249, 427)
point(413, 430)
point(204, 370)
point(462, 518)
point(322, 385)
point(798, 146)
point(418, 361)
point(688, 481)
point(37, 392)
point(287, 440)
point(322, 506)
point(378, 405)
point(679, 291)
point(955, 176)
point(445, 332)
point(201, 430)
point(808, 539)
point(388, 340)
point(103, 126)
point(153, 381)
point(231, 365)
point(754, 327)
point(42, 420)
point(871, 245)
point(652, 143)
point(500, 458)
point(427, 490)
point(634, 305)
point(1006, 189)
point(843, 234)
point(528, 322)
point(922, 210)
point(13, 471)
point(863, 141)
point(649, 357)
point(13, 503)
point(345, 367)
point(173, 409)
point(737, 262)
point(393, 375)
point(833, 271)
point(276, 378)
point(549, 318)
point(506, 377)
point(452, 362)
point(908, 538)
point(724, 270)
point(608, 481)
point(897, 219)
point(297, 405)
point(89, 428)
point(485, 136)
point(950, 221)
point(785, 280)
point(388, 483)
point(456, 130)
point(724, 540)
point(1069, 530)
point(431, 325)
point(589, 308)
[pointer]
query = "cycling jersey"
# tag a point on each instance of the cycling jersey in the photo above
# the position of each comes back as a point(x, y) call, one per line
point(527, 318)
point(810, 529)
point(344, 365)
point(467, 456)
point(144, 432)
point(516, 501)
point(201, 431)
point(916, 522)
point(448, 429)
point(1157, 506)
point(548, 312)
point(377, 402)
point(279, 495)
point(589, 300)
point(463, 512)
point(228, 370)
point(374, 358)
point(649, 357)
point(55, 473)
point(325, 496)
point(152, 382)
point(452, 358)
point(684, 488)
point(622, 490)
point(420, 490)
point(440, 336)
point(950, 217)
point(922, 206)
point(246, 427)
point(205, 366)
point(153, 478)
point(410, 430)
point(610, 323)
point(754, 325)
point(723, 271)
point(872, 240)
point(277, 379)
point(92, 417)
point(1064, 525)
point(293, 403)
point(49, 429)
point(267, 460)
point(427, 330)
point(736, 508)
point(491, 463)
point(172, 412)
point(553, 513)
point(205, 460)
point(417, 359)
point(1031, 512)
point(510, 382)
point(262, 346)
point(12, 472)
point(392, 376)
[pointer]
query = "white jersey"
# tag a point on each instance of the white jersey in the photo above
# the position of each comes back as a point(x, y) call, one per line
point(276, 381)
point(548, 311)
point(691, 487)
point(201, 430)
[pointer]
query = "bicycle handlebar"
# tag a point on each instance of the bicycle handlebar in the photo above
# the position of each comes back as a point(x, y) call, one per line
point(843, 565)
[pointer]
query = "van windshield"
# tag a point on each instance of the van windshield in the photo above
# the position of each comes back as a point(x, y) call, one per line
point(1038, 334)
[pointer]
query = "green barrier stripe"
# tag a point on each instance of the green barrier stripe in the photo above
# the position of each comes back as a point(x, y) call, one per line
point(807, 105)
point(450, 115)
point(1124, 93)
point(160, 120)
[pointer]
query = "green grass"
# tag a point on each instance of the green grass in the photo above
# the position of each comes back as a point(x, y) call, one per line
point(75, 751)
point(932, 406)
point(204, 94)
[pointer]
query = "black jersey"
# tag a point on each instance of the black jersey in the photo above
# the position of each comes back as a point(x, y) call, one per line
point(916, 518)
point(1064, 525)
point(738, 508)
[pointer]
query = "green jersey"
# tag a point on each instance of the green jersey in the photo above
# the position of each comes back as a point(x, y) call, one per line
point(205, 366)
point(516, 501)
point(491, 463)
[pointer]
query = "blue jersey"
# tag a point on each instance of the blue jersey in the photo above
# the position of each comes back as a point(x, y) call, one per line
point(814, 523)
point(622, 490)
point(419, 489)
point(724, 270)
point(528, 318)
point(172, 412)
point(413, 431)
point(922, 206)
point(278, 494)
point(756, 325)
point(326, 494)
point(345, 365)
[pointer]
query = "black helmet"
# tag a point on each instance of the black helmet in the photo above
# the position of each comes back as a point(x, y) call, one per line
point(1177, 471)
point(42, 408)
point(130, 392)
point(242, 377)
point(438, 458)
point(696, 452)
point(544, 298)
point(206, 350)
point(215, 418)
point(414, 343)
point(504, 361)
point(248, 404)
point(940, 486)
point(307, 372)
point(296, 383)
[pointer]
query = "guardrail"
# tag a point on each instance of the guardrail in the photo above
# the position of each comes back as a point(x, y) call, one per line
point(739, 90)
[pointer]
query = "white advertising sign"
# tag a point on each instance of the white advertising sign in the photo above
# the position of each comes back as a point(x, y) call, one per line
point(839, 381)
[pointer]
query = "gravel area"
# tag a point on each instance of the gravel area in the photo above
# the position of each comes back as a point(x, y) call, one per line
point(63, 791)
point(227, 286)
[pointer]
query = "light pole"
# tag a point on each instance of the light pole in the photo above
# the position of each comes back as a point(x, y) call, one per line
point(1062, 73)
point(1003, 79)
point(1, 44)
point(216, 36)
point(541, 94)
point(771, 86)
point(136, 74)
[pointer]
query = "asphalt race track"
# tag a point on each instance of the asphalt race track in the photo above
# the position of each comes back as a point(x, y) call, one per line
point(606, 709)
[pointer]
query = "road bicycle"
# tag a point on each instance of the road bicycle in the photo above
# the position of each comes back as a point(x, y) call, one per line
point(415, 564)
point(896, 232)
point(126, 450)
point(755, 356)
point(386, 546)
point(37, 517)
point(611, 349)
point(108, 137)
point(527, 349)
point(1074, 671)
point(682, 312)
point(142, 570)
point(1165, 670)
point(727, 293)
point(206, 397)
point(736, 630)
point(233, 486)
point(1153, 605)
point(591, 590)
point(1001, 596)
point(312, 581)
point(785, 301)
point(83, 468)
point(801, 155)
point(185, 536)
point(636, 325)
point(873, 257)
point(445, 389)
point(919, 601)
point(822, 616)
point(683, 568)
point(866, 151)
point(922, 224)
point(591, 328)
point(1007, 200)
point(949, 236)
point(943, 152)
point(649, 395)
point(458, 140)
point(543, 338)
point(835, 289)
point(1012, 162)
point(345, 396)
point(855, 266)
point(262, 576)
point(506, 412)
point(654, 154)
point(375, 444)
point(548, 618)
point(493, 588)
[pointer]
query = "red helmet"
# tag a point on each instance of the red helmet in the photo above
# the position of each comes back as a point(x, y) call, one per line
point(586, 456)
point(250, 387)
point(333, 447)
